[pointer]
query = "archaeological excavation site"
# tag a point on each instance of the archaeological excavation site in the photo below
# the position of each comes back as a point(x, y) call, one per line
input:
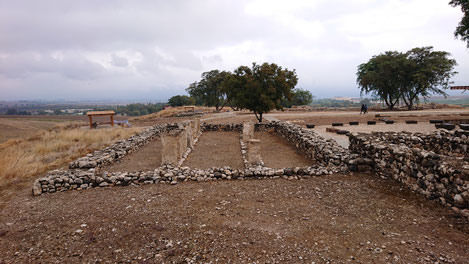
point(434, 165)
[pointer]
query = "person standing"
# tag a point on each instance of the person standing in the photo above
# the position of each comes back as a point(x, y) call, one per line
point(362, 110)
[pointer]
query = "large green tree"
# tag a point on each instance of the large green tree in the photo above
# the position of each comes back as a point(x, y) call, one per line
point(419, 72)
point(299, 97)
point(180, 100)
point(384, 76)
point(430, 73)
point(262, 88)
point(210, 89)
point(462, 30)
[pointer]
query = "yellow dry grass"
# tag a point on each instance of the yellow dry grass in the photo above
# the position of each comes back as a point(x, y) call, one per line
point(30, 157)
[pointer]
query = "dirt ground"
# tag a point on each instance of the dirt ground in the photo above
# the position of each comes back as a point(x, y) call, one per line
point(216, 149)
point(276, 152)
point(335, 218)
point(145, 158)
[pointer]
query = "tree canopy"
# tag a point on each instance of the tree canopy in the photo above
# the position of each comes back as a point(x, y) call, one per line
point(383, 76)
point(210, 90)
point(181, 100)
point(393, 75)
point(299, 97)
point(262, 88)
point(462, 30)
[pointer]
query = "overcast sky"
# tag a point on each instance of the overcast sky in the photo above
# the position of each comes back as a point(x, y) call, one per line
point(151, 50)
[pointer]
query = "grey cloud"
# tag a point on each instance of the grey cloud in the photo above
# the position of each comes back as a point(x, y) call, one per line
point(23, 65)
point(107, 48)
point(119, 61)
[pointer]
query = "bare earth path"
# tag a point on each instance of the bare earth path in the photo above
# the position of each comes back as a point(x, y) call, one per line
point(216, 149)
point(335, 218)
point(276, 152)
point(145, 158)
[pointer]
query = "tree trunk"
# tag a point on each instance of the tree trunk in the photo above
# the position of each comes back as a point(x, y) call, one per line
point(259, 117)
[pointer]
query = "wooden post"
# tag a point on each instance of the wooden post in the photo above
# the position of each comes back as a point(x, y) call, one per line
point(91, 121)
point(112, 120)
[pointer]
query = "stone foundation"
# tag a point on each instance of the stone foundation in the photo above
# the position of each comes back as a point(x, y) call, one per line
point(176, 140)
point(435, 165)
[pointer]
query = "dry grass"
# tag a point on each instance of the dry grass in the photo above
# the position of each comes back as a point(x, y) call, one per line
point(22, 159)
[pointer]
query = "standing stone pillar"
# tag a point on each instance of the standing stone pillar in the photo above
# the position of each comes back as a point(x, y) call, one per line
point(170, 142)
point(193, 129)
point(248, 131)
point(254, 152)
point(197, 126)
point(182, 143)
point(187, 127)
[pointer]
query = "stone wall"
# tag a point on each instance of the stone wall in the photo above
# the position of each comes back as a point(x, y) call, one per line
point(408, 159)
point(63, 180)
point(221, 127)
point(453, 143)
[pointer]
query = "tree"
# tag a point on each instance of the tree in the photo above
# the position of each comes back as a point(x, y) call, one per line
point(462, 30)
point(262, 88)
point(180, 100)
point(210, 89)
point(57, 112)
point(393, 75)
point(383, 77)
point(301, 97)
point(430, 73)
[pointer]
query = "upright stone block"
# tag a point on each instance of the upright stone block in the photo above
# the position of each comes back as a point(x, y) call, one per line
point(254, 152)
point(182, 143)
point(189, 137)
point(197, 126)
point(170, 142)
point(248, 131)
point(193, 129)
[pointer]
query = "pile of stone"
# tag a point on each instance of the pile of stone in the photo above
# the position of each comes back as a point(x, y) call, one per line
point(412, 159)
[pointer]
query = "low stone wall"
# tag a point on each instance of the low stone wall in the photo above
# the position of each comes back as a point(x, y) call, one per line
point(63, 180)
point(221, 127)
point(437, 176)
point(453, 143)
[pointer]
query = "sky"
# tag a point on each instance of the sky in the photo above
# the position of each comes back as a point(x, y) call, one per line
point(152, 50)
